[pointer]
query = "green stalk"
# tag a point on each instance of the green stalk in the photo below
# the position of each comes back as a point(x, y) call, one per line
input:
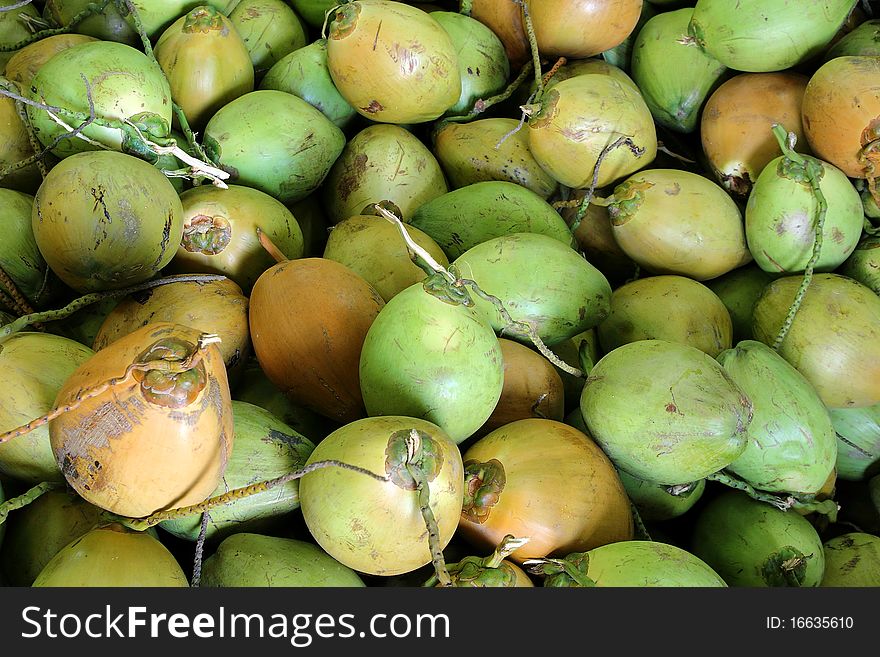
point(813, 171)
point(23, 500)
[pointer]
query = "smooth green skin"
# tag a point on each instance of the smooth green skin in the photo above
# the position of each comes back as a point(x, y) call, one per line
point(852, 560)
point(858, 441)
point(264, 448)
point(863, 41)
point(104, 220)
point(565, 296)
point(781, 214)
point(649, 564)
point(275, 142)
point(833, 340)
point(40, 530)
point(621, 55)
point(467, 153)
point(376, 527)
point(270, 30)
point(253, 560)
point(373, 248)
point(792, 446)
point(640, 310)
point(304, 73)
point(382, 162)
point(672, 221)
point(19, 255)
point(107, 557)
point(674, 78)
point(425, 358)
point(124, 82)
point(35, 367)
point(665, 412)
point(739, 290)
point(313, 11)
point(737, 535)
point(654, 501)
point(863, 264)
point(255, 388)
point(482, 61)
point(465, 217)
point(766, 35)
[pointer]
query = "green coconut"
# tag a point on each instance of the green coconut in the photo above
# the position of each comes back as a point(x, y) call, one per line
point(781, 215)
point(565, 296)
point(767, 35)
point(275, 142)
point(421, 352)
point(254, 387)
point(270, 30)
point(373, 248)
point(792, 446)
point(863, 264)
point(313, 12)
point(665, 412)
point(382, 163)
point(38, 531)
point(852, 560)
point(470, 215)
point(123, 83)
point(304, 73)
point(754, 544)
point(656, 502)
point(739, 290)
point(671, 221)
point(490, 149)
point(640, 310)
point(264, 448)
point(105, 220)
point(858, 441)
point(674, 75)
point(579, 118)
point(862, 41)
point(834, 339)
point(35, 366)
point(20, 257)
point(632, 564)
point(113, 556)
point(482, 62)
point(253, 560)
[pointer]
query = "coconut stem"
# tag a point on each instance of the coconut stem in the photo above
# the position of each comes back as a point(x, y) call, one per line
point(82, 302)
point(23, 500)
point(140, 524)
point(91, 393)
point(270, 246)
point(413, 455)
point(200, 550)
point(20, 304)
point(481, 105)
point(813, 171)
point(641, 531)
point(533, 45)
point(91, 9)
point(782, 502)
point(588, 198)
point(466, 7)
point(426, 262)
point(16, 5)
